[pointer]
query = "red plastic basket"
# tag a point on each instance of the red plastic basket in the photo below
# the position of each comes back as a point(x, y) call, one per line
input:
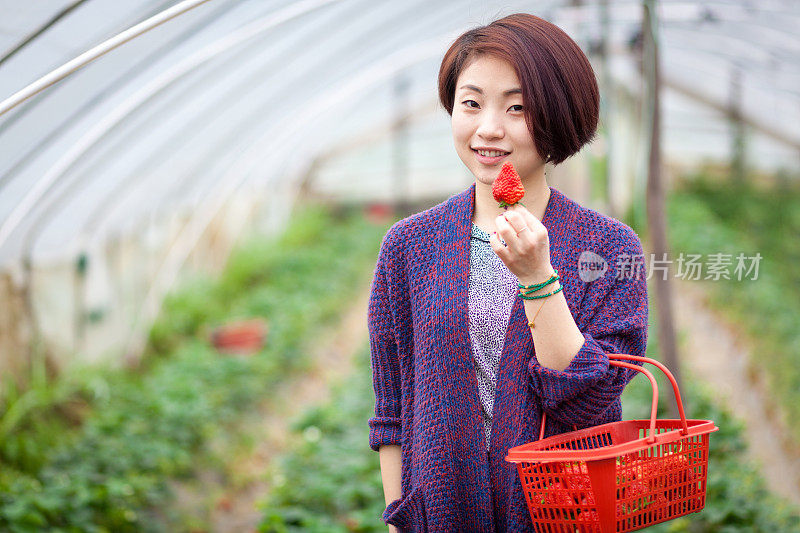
point(620, 476)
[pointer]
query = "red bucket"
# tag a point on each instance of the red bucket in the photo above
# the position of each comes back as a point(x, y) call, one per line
point(620, 476)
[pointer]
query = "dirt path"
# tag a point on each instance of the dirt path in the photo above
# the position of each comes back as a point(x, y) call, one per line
point(232, 501)
point(716, 353)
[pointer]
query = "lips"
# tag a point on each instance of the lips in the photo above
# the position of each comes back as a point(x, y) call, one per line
point(495, 157)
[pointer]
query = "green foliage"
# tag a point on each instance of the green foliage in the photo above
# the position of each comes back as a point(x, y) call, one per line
point(33, 407)
point(710, 218)
point(109, 472)
point(331, 480)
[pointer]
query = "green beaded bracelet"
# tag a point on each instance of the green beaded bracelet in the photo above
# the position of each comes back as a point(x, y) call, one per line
point(541, 295)
point(531, 291)
point(538, 286)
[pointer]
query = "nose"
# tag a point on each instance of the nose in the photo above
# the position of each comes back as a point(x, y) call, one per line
point(491, 126)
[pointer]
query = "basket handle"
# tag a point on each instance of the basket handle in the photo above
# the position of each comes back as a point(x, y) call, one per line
point(617, 359)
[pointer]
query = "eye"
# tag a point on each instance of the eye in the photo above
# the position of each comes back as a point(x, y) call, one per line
point(467, 103)
point(516, 106)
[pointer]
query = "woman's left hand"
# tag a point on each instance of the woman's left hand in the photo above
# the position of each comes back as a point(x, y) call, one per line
point(527, 250)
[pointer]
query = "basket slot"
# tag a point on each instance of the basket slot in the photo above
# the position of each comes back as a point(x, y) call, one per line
point(667, 481)
point(588, 442)
point(643, 432)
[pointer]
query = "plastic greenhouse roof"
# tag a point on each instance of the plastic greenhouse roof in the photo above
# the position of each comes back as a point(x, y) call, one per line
point(239, 93)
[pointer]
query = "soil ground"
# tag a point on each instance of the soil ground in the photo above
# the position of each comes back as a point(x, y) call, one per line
point(718, 355)
point(228, 503)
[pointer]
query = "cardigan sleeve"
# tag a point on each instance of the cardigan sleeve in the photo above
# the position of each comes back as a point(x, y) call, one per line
point(613, 319)
point(384, 427)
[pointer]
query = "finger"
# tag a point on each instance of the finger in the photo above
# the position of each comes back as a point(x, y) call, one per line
point(515, 219)
point(528, 218)
point(507, 232)
point(522, 211)
point(499, 248)
point(523, 227)
point(504, 227)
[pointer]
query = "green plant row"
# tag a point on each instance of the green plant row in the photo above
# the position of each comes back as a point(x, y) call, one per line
point(708, 218)
point(330, 481)
point(107, 469)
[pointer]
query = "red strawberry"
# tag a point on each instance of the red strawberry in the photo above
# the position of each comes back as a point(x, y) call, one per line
point(637, 496)
point(507, 187)
point(661, 507)
point(556, 495)
point(588, 499)
point(579, 482)
point(678, 468)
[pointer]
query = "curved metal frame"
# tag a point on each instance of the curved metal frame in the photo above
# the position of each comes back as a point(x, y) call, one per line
point(60, 127)
point(44, 184)
point(20, 212)
point(213, 203)
point(106, 206)
point(194, 229)
point(27, 254)
point(90, 55)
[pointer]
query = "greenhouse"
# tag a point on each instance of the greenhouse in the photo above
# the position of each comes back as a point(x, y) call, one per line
point(194, 196)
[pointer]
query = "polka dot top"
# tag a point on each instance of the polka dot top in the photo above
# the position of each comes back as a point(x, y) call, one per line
point(492, 289)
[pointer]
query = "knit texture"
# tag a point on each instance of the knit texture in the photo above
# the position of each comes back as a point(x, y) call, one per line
point(426, 390)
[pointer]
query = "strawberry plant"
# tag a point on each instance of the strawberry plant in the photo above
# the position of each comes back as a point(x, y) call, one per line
point(728, 218)
point(109, 470)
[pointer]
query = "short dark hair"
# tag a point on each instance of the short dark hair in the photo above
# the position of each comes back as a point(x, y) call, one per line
point(560, 97)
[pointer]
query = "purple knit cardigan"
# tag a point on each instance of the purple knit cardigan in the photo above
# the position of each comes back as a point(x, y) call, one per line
point(426, 392)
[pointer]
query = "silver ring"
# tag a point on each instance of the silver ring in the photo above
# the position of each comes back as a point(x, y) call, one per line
point(523, 229)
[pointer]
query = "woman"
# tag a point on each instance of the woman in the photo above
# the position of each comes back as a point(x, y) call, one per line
point(465, 359)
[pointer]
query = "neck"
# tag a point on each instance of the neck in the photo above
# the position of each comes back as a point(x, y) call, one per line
point(486, 209)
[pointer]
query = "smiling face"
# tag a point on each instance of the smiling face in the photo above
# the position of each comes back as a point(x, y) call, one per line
point(488, 123)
